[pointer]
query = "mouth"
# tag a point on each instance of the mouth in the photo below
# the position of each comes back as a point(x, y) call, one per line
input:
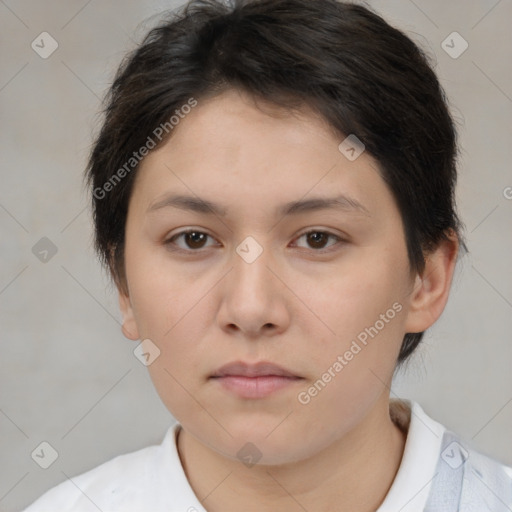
point(254, 380)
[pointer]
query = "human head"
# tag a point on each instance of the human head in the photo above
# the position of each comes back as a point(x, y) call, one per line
point(341, 60)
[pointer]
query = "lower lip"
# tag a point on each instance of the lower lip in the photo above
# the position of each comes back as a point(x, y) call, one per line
point(255, 387)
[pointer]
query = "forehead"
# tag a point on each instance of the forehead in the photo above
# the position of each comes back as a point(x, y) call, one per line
point(234, 151)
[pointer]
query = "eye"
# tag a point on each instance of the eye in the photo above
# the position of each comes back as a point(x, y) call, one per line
point(318, 239)
point(192, 238)
point(195, 240)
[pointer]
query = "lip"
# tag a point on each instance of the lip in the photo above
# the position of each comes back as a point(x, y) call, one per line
point(254, 380)
point(260, 369)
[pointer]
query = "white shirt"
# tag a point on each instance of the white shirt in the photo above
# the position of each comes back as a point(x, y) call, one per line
point(438, 473)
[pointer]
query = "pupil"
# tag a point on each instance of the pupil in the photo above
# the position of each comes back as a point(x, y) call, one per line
point(317, 238)
point(196, 238)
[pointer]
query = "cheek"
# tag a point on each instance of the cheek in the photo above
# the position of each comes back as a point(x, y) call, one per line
point(160, 292)
point(363, 308)
point(353, 368)
point(173, 310)
point(357, 294)
point(175, 315)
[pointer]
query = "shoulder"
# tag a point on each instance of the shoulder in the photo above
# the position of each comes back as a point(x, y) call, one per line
point(440, 471)
point(469, 479)
point(118, 484)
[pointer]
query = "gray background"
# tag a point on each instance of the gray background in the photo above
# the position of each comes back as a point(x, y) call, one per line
point(70, 378)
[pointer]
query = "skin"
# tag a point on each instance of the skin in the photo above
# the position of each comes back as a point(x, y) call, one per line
point(294, 306)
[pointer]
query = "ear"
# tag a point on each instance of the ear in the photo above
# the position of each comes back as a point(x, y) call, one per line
point(129, 327)
point(432, 289)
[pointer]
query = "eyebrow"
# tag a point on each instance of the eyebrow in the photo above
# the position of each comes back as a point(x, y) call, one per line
point(204, 206)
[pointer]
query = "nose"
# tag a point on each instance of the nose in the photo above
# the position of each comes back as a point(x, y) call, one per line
point(253, 298)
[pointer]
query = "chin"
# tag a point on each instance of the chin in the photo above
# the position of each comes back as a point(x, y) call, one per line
point(264, 445)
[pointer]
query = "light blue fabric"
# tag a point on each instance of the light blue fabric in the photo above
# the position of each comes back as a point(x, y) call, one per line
point(467, 481)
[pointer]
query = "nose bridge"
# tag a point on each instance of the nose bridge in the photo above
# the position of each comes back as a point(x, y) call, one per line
point(252, 299)
point(250, 272)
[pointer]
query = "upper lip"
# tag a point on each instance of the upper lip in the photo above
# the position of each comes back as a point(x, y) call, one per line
point(242, 369)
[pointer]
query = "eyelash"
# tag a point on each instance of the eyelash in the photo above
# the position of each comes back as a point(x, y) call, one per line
point(170, 241)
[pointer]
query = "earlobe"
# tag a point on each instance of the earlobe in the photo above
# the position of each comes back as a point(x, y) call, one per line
point(431, 290)
point(129, 326)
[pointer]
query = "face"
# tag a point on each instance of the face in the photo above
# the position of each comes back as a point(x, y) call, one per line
point(319, 290)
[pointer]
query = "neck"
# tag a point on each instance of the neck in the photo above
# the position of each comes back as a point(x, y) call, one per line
point(354, 473)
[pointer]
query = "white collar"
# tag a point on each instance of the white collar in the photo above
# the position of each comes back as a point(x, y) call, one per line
point(411, 486)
